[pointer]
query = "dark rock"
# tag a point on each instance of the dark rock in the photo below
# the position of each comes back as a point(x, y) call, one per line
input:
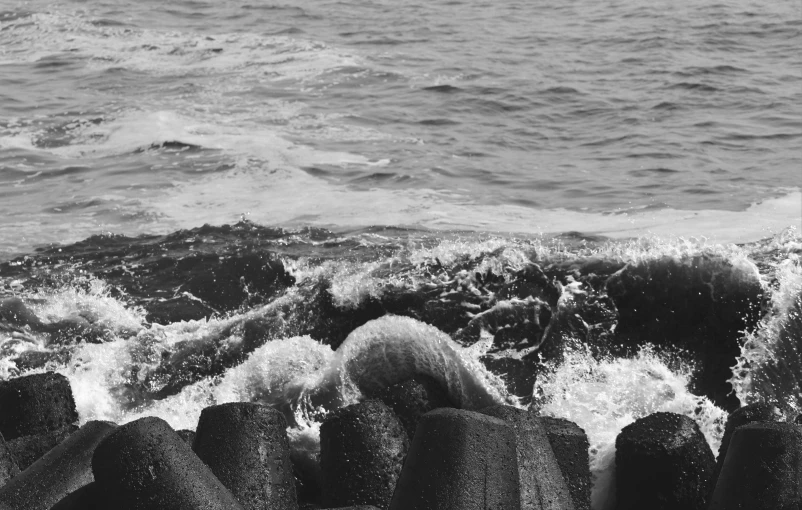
point(413, 398)
point(14, 311)
point(362, 449)
point(459, 460)
point(359, 507)
point(227, 283)
point(187, 435)
point(35, 404)
point(246, 447)
point(570, 445)
point(28, 449)
point(762, 469)
point(85, 498)
point(542, 484)
point(176, 309)
point(663, 462)
point(798, 419)
point(701, 304)
point(144, 465)
point(8, 466)
point(758, 412)
point(308, 477)
point(63, 470)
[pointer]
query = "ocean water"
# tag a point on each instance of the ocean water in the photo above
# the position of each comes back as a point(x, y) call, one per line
point(588, 208)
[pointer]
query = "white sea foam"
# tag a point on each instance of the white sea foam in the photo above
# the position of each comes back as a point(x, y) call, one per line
point(604, 396)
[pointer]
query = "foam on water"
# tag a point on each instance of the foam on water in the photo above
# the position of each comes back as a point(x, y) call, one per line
point(604, 396)
point(165, 52)
point(298, 375)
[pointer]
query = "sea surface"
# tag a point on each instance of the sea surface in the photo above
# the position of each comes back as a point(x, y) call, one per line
point(589, 208)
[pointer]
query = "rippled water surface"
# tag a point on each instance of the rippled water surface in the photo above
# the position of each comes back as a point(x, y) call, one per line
point(517, 116)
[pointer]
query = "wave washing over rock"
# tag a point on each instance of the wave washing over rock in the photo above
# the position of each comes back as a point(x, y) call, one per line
point(600, 332)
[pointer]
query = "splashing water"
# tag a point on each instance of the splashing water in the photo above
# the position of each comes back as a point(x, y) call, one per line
point(770, 365)
point(604, 396)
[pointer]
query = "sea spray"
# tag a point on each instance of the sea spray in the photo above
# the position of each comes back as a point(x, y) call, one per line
point(311, 320)
point(770, 364)
point(604, 395)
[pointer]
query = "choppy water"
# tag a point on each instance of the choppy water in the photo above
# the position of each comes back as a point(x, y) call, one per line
point(616, 118)
point(351, 158)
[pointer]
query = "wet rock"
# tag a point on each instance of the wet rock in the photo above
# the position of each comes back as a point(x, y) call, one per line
point(61, 471)
point(14, 311)
point(246, 447)
point(459, 460)
point(8, 466)
point(762, 469)
point(187, 435)
point(541, 482)
point(226, 283)
point(145, 465)
point(413, 398)
point(663, 462)
point(176, 309)
point(359, 507)
point(758, 412)
point(28, 449)
point(362, 449)
point(35, 404)
point(308, 477)
point(85, 498)
point(570, 445)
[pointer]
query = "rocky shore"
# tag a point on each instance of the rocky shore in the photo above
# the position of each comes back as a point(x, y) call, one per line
point(408, 448)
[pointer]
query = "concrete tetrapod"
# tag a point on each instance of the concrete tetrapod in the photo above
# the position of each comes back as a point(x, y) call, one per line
point(8, 466)
point(362, 448)
point(762, 469)
point(145, 465)
point(246, 447)
point(751, 413)
point(542, 484)
point(28, 449)
point(459, 460)
point(663, 462)
point(571, 445)
point(62, 470)
point(413, 398)
point(35, 404)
